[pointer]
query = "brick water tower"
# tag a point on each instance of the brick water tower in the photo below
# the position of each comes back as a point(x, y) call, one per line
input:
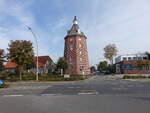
point(75, 51)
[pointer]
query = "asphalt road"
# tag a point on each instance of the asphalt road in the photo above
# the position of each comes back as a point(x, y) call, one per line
point(99, 94)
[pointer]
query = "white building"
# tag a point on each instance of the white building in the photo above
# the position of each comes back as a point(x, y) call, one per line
point(127, 57)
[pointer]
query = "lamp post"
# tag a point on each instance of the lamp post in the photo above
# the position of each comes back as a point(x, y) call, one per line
point(37, 76)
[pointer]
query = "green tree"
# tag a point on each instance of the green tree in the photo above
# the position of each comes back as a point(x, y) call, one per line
point(62, 64)
point(2, 59)
point(102, 66)
point(93, 69)
point(109, 52)
point(148, 54)
point(21, 52)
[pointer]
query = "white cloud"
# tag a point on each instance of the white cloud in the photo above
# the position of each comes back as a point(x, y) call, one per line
point(4, 42)
point(126, 23)
point(18, 10)
point(123, 22)
point(57, 24)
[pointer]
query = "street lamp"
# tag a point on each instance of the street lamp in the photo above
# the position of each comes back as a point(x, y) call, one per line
point(37, 76)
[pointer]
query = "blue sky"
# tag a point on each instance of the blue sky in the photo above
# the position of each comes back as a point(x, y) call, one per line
point(125, 23)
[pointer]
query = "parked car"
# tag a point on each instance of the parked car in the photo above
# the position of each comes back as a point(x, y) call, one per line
point(2, 82)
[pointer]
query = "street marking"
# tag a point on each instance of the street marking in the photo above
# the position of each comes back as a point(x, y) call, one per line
point(51, 94)
point(119, 88)
point(74, 87)
point(31, 87)
point(88, 93)
point(12, 95)
point(71, 87)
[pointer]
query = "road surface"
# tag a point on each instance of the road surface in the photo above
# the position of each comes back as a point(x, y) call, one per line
point(99, 94)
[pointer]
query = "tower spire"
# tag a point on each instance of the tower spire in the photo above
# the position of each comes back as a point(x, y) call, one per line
point(75, 21)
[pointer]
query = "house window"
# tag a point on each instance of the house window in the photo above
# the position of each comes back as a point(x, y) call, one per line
point(139, 58)
point(129, 58)
point(134, 58)
point(144, 58)
point(124, 58)
point(127, 66)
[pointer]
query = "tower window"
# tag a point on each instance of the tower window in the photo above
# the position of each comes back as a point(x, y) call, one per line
point(80, 52)
point(71, 67)
point(71, 48)
point(81, 68)
point(70, 59)
point(80, 45)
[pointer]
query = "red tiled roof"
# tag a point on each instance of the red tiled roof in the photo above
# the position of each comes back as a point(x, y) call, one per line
point(10, 64)
point(42, 61)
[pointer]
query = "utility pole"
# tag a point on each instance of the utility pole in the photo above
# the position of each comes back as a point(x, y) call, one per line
point(37, 68)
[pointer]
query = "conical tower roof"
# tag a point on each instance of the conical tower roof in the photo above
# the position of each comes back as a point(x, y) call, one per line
point(75, 29)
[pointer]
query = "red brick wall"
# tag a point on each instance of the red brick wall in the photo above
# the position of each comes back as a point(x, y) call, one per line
point(73, 46)
point(136, 71)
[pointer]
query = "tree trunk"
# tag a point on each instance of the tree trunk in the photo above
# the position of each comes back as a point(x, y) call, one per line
point(20, 75)
point(20, 72)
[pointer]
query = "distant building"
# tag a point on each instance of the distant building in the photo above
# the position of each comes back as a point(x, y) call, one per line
point(129, 57)
point(75, 52)
point(132, 64)
point(45, 64)
point(10, 66)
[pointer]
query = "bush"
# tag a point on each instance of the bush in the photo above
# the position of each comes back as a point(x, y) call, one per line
point(28, 76)
point(59, 78)
point(12, 77)
point(4, 86)
point(7, 75)
point(77, 77)
point(133, 77)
